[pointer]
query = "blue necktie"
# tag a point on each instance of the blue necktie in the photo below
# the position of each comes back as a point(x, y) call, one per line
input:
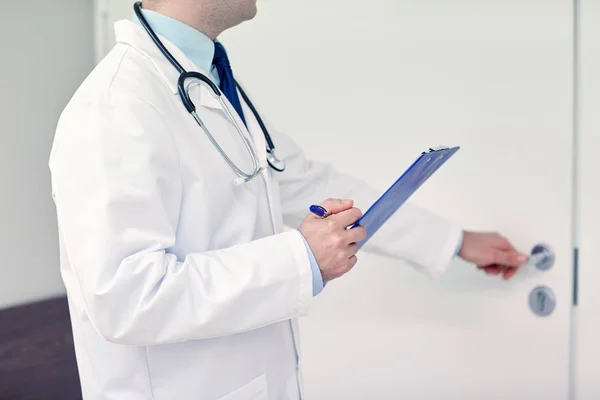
point(227, 83)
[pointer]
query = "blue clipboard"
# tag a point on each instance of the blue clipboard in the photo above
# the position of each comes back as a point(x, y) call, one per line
point(404, 187)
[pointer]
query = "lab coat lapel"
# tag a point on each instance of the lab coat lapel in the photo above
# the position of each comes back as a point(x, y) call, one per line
point(132, 34)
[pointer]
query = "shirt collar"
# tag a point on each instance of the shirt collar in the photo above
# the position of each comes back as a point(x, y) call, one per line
point(196, 46)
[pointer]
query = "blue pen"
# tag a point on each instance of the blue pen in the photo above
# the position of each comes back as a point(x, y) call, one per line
point(318, 211)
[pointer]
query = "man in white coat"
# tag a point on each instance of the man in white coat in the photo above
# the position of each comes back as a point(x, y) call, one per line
point(181, 285)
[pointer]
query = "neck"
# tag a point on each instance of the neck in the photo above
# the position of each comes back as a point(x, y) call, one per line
point(198, 15)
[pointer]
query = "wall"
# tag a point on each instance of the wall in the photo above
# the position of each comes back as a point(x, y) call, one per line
point(47, 50)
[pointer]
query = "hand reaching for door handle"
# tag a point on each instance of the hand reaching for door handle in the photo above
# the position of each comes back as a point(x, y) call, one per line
point(492, 253)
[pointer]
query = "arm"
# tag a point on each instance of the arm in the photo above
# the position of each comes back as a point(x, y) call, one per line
point(422, 239)
point(412, 234)
point(117, 188)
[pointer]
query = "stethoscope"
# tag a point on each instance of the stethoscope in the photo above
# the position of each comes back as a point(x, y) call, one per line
point(242, 177)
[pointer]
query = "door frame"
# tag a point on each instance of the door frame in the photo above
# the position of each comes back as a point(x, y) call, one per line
point(586, 309)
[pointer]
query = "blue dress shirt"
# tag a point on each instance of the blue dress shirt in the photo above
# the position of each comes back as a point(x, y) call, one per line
point(200, 49)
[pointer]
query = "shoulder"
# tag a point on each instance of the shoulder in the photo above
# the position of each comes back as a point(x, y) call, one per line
point(116, 103)
point(122, 77)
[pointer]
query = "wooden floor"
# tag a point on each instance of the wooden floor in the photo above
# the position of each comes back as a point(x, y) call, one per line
point(37, 360)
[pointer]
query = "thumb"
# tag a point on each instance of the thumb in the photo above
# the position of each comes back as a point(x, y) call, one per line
point(334, 206)
point(509, 258)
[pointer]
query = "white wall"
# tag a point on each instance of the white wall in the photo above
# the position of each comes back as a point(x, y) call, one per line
point(587, 338)
point(47, 49)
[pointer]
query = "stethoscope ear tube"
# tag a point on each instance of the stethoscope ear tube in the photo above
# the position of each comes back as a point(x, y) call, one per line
point(137, 8)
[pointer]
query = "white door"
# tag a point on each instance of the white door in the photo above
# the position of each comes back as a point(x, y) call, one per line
point(393, 78)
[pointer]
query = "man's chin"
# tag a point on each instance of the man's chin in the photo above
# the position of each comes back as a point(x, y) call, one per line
point(252, 12)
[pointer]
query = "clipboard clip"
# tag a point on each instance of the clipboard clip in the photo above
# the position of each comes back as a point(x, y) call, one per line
point(437, 148)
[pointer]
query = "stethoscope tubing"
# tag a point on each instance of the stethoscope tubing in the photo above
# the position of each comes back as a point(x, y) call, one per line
point(184, 76)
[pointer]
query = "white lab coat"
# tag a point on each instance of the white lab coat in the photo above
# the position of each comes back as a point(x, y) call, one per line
point(180, 284)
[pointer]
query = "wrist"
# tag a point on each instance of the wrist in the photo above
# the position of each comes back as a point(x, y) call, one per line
point(460, 243)
point(317, 278)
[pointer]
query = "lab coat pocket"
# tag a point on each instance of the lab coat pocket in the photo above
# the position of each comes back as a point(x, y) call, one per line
point(256, 389)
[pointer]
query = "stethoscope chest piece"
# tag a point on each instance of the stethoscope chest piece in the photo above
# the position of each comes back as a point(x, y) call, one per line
point(276, 163)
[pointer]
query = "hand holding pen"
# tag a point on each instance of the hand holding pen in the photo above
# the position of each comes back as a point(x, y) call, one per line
point(333, 245)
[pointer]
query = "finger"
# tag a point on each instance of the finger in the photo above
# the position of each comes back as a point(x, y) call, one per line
point(509, 273)
point(509, 258)
point(352, 261)
point(352, 249)
point(493, 269)
point(334, 206)
point(357, 234)
point(347, 217)
point(506, 245)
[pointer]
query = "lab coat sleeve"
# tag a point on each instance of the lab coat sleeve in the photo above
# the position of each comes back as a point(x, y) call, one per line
point(117, 189)
point(418, 237)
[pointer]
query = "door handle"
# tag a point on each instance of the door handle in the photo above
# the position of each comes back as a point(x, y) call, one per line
point(542, 257)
